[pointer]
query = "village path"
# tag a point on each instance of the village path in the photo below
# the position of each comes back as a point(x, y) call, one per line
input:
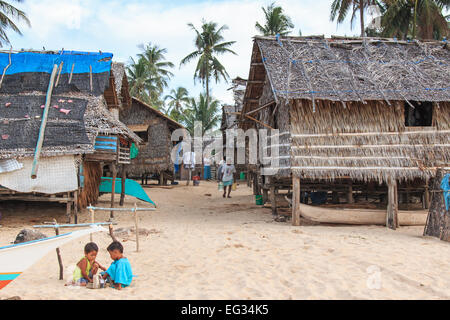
point(202, 246)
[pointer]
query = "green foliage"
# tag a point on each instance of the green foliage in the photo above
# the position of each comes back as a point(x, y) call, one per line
point(209, 43)
point(9, 13)
point(149, 75)
point(422, 19)
point(178, 99)
point(276, 22)
point(208, 114)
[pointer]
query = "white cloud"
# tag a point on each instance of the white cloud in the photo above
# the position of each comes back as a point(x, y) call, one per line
point(118, 26)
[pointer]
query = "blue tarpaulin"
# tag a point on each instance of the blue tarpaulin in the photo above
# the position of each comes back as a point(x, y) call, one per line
point(43, 62)
point(132, 188)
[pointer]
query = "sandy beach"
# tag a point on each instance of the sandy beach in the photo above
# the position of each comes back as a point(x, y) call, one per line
point(202, 246)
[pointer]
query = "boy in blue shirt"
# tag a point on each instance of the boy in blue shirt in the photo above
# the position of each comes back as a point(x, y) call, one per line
point(120, 270)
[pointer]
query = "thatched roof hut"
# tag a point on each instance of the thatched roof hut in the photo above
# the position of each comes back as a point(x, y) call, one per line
point(78, 115)
point(155, 129)
point(364, 109)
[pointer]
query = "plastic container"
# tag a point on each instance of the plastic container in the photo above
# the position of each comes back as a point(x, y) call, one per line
point(234, 186)
point(259, 200)
point(242, 176)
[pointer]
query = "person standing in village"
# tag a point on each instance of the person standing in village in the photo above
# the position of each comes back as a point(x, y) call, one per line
point(228, 173)
point(207, 168)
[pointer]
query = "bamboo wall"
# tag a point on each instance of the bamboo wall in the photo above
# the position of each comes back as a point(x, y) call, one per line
point(366, 141)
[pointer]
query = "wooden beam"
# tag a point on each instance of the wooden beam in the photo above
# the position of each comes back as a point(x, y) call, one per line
point(251, 100)
point(262, 107)
point(392, 209)
point(296, 201)
point(255, 82)
point(37, 152)
point(256, 120)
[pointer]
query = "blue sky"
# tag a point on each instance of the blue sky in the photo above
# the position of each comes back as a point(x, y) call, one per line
point(119, 26)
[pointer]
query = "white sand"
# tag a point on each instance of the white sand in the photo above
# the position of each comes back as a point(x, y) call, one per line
point(214, 248)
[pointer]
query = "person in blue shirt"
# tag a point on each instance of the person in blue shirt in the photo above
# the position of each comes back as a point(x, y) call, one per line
point(119, 272)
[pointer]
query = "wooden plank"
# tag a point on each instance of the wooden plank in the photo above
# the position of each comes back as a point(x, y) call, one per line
point(256, 120)
point(296, 201)
point(262, 107)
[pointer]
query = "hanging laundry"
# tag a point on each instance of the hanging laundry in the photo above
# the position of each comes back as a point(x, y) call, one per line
point(43, 106)
point(445, 185)
point(5, 136)
point(8, 104)
point(66, 111)
point(27, 116)
point(56, 106)
point(61, 100)
point(69, 101)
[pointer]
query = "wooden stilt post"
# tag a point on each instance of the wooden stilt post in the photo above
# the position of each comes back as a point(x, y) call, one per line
point(295, 201)
point(92, 213)
point(350, 193)
point(265, 195)
point(392, 208)
point(136, 225)
point(113, 188)
point(122, 191)
point(58, 254)
point(161, 178)
point(68, 207)
point(426, 195)
point(75, 206)
point(189, 176)
point(273, 200)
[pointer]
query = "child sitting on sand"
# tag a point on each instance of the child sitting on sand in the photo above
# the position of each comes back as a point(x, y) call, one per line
point(87, 267)
point(119, 272)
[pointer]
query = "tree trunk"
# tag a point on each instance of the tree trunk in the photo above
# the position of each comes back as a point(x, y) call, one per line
point(361, 17)
point(415, 20)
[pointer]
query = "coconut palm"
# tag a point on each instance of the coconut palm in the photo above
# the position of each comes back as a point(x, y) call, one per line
point(9, 13)
point(199, 110)
point(276, 22)
point(155, 58)
point(340, 9)
point(416, 18)
point(178, 98)
point(209, 44)
point(143, 84)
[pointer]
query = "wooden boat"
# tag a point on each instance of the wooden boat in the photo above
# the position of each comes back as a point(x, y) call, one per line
point(361, 216)
point(16, 258)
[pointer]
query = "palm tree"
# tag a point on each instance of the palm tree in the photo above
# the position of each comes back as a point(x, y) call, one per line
point(178, 97)
point(209, 43)
point(276, 22)
point(416, 18)
point(340, 8)
point(143, 85)
point(8, 13)
point(154, 56)
point(205, 113)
